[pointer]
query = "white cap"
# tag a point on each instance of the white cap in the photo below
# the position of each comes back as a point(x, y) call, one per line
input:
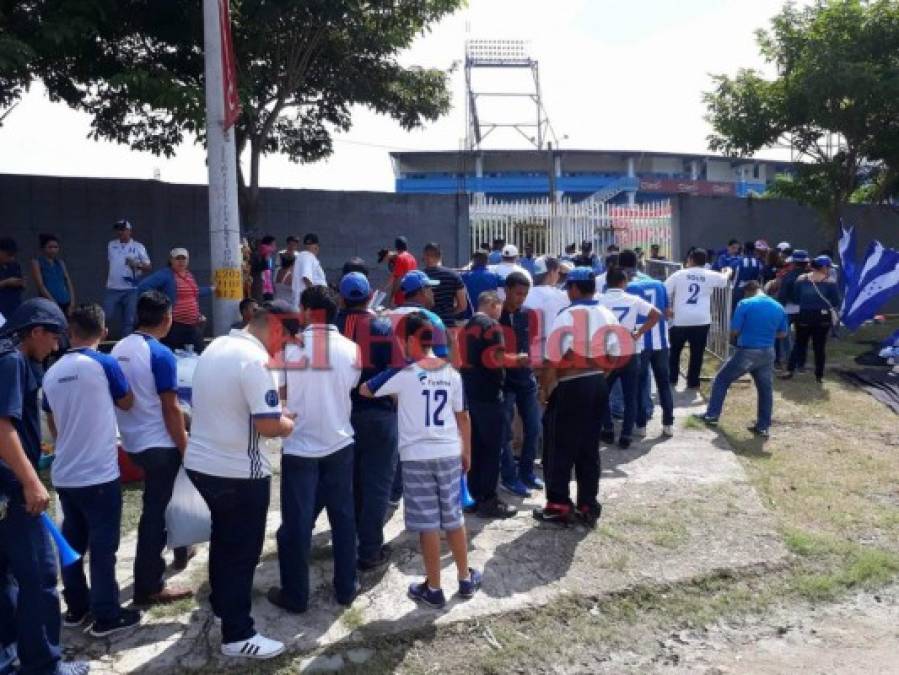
point(176, 252)
point(782, 246)
point(510, 251)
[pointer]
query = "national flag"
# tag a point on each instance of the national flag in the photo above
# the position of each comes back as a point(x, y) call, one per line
point(877, 282)
point(229, 67)
point(848, 268)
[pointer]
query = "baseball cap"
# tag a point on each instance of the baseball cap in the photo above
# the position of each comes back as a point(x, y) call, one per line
point(799, 255)
point(36, 312)
point(354, 286)
point(822, 261)
point(415, 281)
point(510, 251)
point(122, 225)
point(581, 274)
point(177, 252)
point(761, 245)
point(783, 246)
point(310, 238)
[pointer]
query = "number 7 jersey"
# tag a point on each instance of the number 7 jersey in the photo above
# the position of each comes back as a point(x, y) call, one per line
point(427, 399)
point(690, 293)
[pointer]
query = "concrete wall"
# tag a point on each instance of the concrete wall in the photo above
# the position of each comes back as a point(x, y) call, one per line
point(80, 211)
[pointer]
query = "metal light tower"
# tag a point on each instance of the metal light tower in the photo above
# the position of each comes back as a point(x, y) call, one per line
point(502, 55)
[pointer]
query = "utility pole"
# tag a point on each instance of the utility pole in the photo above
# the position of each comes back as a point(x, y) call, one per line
point(224, 222)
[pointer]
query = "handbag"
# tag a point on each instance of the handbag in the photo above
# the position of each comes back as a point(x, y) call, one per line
point(834, 314)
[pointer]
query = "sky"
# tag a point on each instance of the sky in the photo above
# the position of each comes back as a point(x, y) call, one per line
point(615, 74)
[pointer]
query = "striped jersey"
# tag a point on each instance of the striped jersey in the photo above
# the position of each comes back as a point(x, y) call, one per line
point(652, 291)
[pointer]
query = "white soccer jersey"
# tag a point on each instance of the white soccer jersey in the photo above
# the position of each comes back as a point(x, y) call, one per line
point(629, 310)
point(320, 376)
point(80, 390)
point(232, 385)
point(121, 277)
point(306, 266)
point(690, 292)
point(576, 328)
point(151, 370)
point(427, 402)
point(548, 301)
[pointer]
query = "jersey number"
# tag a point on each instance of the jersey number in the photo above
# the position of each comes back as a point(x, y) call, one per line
point(621, 312)
point(440, 398)
point(694, 294)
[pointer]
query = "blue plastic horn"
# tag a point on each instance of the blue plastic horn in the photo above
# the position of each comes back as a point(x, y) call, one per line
point(67, 554)
point(465, 497)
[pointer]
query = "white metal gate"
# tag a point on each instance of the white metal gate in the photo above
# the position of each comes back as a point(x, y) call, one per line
point(719, 331)
point(551, 226)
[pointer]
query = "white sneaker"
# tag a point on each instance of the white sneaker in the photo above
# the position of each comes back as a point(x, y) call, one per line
point(668, 430)
point(640, 432)
point(257, 647)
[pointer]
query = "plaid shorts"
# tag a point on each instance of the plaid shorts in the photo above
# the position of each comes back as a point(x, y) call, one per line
point(431, 494)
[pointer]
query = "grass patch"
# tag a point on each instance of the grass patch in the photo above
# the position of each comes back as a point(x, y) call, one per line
point(353, 618)
point(691, 422)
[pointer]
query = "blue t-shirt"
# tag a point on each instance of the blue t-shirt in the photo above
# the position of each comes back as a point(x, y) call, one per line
point(494, 257)
point(757, 320)
point(20, 380)
point(727, 260)
point(655, 293)
point(530, 264)
point(477, 280)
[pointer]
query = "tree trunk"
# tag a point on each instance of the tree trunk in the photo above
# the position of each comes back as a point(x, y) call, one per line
point(251, 196)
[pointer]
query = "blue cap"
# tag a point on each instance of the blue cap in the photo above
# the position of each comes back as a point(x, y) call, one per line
point(580, 274)
point(822, 261)
point(354, 286)
point(36, 312)
point(799, 255)
point(415, 280)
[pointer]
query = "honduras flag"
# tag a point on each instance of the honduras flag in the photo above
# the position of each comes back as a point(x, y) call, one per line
point(877, 282)
point(848, 268)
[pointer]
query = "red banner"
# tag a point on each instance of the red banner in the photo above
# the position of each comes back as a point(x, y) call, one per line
point(229, 67)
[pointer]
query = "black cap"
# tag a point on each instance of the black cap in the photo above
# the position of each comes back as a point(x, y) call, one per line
point(122, 225)
point(36, 312)
point(310, 239)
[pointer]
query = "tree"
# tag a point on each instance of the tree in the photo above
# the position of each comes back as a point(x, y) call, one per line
point(302, 66)
point(16, 55)
point(835, 100)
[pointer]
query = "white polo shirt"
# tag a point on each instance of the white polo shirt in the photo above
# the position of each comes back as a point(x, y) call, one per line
point(80, 390)
point(121, 277)
point(690, 293)
point(320, 375)
point(151, 369)
point(630, 310)
point(232, 385)
point(427, 402)
point(306, 266)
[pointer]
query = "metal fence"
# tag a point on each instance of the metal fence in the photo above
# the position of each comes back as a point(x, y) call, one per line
point(719, 331)
point(661, 269)
point(550, 226)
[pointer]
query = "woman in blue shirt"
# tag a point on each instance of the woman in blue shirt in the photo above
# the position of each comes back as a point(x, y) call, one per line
point(51, 276)
point(818, 298)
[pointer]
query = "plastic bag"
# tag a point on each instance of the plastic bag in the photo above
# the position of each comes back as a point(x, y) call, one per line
point(187, 518)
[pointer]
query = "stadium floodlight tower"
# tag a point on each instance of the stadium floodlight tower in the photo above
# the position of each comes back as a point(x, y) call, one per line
point(498, 55)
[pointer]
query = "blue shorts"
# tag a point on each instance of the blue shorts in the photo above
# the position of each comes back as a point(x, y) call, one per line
point(431, 494)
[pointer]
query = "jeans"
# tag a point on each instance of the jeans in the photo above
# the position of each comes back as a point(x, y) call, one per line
point(525, 400)
point(182, 334)
point(655, 360)
point(486, 445)
point(304, 481)
point(160, 467)
point(374, 464)
point(239, 507)
point(759, 363)
point(628, 375)
point(816, 329)
point(92, 520)
point(29, 604)
point(616, 400)
point(121, 303)
point(696, 337)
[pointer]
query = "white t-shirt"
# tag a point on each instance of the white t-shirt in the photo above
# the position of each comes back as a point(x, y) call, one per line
point(504, 269)
point(320, 375)
point(690, 291)
point(306, 266)
point(427, 402)
point(80, 390)
point(586, 318)
point(121, 277)
point(548, 301)
point(232, 385)
point(627, 308)
point(151, 369)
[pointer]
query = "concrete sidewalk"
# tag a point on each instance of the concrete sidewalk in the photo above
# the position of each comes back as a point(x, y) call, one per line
point(674, 509)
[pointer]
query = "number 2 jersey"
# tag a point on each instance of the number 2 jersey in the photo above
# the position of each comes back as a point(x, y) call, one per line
point(690, 292)
point(428, 396)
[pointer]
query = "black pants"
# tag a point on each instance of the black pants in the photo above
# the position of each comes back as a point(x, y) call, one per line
point(238, 507)
point(571, 429)
point(183, 334)
point(486, 445)
point(814, 327)
point(696, 337)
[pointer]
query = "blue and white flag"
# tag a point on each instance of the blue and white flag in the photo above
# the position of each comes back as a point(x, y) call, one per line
point(878, 281)
point(848, 268)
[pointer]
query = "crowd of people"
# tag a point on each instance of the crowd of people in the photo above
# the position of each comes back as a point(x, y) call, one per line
point(379, 395)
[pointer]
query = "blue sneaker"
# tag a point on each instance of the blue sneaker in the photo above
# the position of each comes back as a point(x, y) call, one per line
point(516, 487)
point(421, 593)
point(468, 587)
point(531, 481)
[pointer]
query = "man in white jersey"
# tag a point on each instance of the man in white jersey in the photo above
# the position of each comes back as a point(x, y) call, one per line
point(583, 345)
point(81, 391)
point(638, 317)
point(545, 297)
point(690, 293)
point(435, 448)
point(235, 402)
point(127, 259)
point(317, 467)
point(154, 435)
point(307, 270)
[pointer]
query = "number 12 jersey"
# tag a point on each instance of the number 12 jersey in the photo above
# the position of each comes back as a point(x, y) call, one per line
point(691, 289)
